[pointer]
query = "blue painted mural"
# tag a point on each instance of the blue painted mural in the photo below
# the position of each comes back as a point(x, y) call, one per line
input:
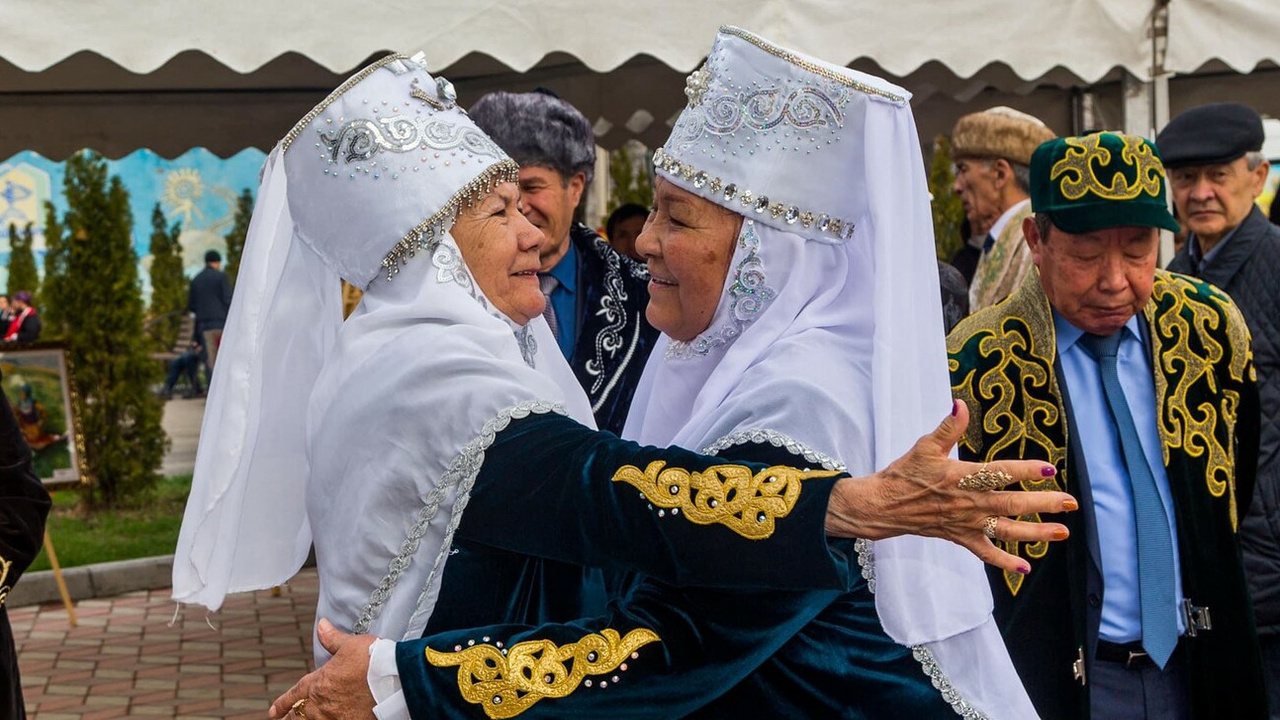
point(197, 189)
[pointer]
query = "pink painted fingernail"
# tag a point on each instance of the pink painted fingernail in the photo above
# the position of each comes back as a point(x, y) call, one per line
point(1024, 569)
point(955, 408)
point(1048, 471)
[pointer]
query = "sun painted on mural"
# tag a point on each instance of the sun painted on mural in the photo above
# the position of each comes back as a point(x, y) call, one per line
point(198, 190)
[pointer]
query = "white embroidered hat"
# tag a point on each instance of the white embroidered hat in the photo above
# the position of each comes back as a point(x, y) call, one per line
point(389, 126)
point(752, 108)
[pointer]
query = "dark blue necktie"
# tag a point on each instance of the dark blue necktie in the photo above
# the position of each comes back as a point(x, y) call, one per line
point(1156, 586)
point(988, 243)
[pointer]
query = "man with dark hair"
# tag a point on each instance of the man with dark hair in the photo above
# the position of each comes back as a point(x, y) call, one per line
point(1216, 172)
point(209, 297)
point(624, 226)
point(1137, 383)
point(596, 297)
point(24, 505)
point(992, 149)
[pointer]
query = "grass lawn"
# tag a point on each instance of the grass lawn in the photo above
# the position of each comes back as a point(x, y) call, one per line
point(146, 528)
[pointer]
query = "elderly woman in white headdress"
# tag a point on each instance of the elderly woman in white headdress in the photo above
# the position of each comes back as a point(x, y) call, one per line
point(438, 397)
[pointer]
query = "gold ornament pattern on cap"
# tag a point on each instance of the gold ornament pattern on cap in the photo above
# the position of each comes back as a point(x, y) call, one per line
point(506, 682)
point(984, 480)
point(1084, 151)
point(730, 495)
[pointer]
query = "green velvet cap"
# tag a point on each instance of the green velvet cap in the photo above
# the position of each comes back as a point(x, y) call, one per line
point(1099, 181)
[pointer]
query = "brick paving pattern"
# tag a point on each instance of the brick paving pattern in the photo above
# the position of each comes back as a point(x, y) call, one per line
point(126, 659)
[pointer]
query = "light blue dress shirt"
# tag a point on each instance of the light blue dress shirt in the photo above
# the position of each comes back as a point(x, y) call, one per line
point(564, 300)
point(1108, 477)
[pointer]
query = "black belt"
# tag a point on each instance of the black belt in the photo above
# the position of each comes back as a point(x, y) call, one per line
point(1130, 654)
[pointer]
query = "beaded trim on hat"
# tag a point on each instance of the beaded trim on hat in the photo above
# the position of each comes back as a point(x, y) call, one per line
point(426, 235)
point(727, 192)
point(798, 61)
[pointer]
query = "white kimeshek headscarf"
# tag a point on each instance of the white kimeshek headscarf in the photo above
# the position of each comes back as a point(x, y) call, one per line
point(829, 336)
point(364, 436)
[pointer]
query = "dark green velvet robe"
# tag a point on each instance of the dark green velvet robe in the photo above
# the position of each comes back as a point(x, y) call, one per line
point(24, 506)
point(746, 612)
point(1002, 363)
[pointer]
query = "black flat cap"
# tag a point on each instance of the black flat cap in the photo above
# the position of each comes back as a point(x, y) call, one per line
point(1210, 134)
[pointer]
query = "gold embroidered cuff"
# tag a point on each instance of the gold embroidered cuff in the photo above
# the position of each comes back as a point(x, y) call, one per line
point(506, 682)
point(728, 495)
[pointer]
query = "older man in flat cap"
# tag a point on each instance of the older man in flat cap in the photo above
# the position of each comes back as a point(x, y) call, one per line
point(596, 296)
point(1216, 171)
point(1137, 384)
point(992, 150)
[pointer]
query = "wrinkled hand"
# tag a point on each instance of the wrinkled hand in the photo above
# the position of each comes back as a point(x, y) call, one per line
point(919, 494)
point(340, 689)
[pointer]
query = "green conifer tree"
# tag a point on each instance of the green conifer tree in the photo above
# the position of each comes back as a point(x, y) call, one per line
point(630, 184)
point(22, 264)
point(102, 303)
point(54, 276)
point(948, 210)
point(235, 238)
point(168, 284)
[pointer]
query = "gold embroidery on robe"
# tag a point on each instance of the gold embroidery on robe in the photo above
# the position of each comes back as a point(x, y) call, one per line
point(1013, 380)
point(4, 575)
point(1179, 312)
point(1015, 405)
point(506, 683)
point(729, 495)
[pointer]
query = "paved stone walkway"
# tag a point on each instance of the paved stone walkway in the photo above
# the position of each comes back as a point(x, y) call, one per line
point(126, 660)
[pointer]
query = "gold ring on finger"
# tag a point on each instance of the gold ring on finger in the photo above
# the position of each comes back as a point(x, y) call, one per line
point(300, 709)
point(989, 527)
point(985, 480)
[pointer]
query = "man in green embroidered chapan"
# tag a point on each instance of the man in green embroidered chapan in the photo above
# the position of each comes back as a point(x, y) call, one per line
point(796, 356)
point(1138, 385)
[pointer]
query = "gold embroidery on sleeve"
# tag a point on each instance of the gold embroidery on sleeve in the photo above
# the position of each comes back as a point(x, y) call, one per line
point(4, 575)
point(1196, 414)
point(508, 682)
point(728, 495)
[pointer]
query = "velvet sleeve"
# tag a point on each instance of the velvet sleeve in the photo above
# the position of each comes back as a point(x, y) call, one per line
point(24, 502)
point(1248, 429)
point(662, 652)
point(551, 488)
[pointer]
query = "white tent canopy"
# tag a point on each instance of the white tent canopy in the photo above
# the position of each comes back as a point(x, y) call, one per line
point(120, 74)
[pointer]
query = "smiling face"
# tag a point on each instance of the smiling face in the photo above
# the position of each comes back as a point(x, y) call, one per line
point(1097, 280)
point(687, 243)
point(1213, 199)
point(549, 199)
point(501, 249)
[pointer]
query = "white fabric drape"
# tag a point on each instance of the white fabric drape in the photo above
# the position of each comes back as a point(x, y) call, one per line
point(849, 360)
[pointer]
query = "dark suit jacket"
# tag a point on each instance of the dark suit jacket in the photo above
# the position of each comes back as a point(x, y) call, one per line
point(613, 336)
point(24, 504)
point(209, 297)
point(1004, 366)
point(1248, 268)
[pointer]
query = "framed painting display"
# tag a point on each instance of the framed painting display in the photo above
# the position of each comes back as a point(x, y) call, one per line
point(37, 379)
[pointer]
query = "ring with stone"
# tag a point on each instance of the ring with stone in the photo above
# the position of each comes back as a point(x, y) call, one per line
point(300, 709)
point(989, 527)
point(985, 480)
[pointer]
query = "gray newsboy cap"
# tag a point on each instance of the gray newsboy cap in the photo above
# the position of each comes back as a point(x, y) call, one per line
point(1210, 134)
point(538, 129)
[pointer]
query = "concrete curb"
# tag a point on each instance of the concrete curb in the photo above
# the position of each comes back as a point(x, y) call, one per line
point(94, 581)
